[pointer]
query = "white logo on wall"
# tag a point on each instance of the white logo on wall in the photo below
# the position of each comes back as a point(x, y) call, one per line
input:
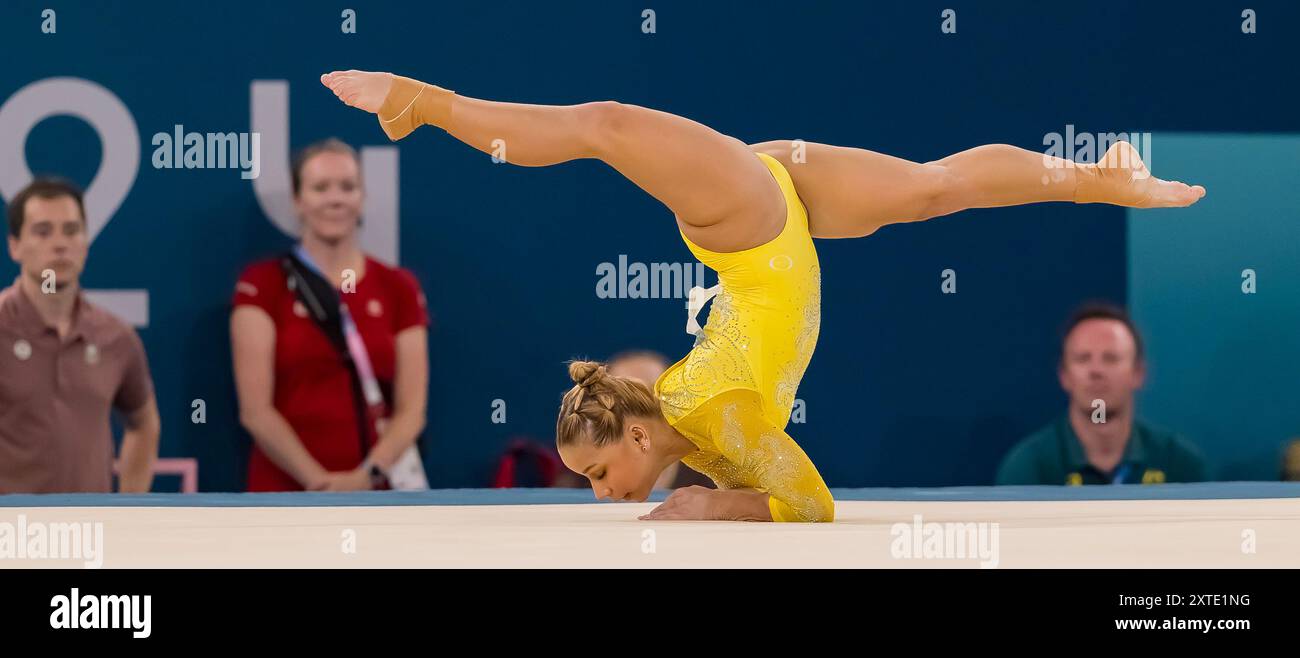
point(113, 123)
point(119, 136)
point(269, 115)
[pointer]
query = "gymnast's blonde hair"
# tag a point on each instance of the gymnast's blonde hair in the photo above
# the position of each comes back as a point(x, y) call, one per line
point(598, 403)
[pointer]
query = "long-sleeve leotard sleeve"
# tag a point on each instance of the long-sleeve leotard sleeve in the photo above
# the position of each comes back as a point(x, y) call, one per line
point(752, 453)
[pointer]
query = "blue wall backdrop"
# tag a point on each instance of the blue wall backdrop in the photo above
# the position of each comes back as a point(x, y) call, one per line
point(908, 387)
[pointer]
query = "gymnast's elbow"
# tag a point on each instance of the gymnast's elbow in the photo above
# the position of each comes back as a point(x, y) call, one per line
point(824, 510)
point(817, 509)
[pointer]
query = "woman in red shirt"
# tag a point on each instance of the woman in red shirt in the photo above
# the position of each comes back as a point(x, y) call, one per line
point(296, 391)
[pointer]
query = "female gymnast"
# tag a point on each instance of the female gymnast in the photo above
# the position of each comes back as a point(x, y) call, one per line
point(750, 213)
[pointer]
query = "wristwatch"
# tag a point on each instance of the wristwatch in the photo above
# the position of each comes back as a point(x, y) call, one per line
point(378, 479)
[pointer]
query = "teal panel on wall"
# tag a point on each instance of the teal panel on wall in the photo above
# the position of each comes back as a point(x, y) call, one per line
point(1224, 364)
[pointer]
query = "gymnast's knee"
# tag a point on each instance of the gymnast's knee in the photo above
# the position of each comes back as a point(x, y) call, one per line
point(938, 191)
point(604, 123)
point(781, 149)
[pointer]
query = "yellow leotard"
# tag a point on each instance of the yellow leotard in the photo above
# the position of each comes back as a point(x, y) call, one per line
point(732, 394)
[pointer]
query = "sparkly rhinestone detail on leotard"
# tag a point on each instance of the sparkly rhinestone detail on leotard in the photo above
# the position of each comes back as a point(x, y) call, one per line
point(764, 460)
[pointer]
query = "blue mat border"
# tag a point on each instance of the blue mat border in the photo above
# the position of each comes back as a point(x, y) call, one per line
point(1199, 491)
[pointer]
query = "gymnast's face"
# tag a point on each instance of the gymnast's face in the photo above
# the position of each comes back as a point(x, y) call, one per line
point(1100, 362)
point(621, 470)
point(53, 238)
point(330, 196)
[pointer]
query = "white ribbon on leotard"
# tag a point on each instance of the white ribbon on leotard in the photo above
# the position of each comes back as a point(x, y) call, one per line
point(695, 301)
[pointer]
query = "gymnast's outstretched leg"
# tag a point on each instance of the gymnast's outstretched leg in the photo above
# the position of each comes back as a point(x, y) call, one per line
point(705, 178)
point(851, 192)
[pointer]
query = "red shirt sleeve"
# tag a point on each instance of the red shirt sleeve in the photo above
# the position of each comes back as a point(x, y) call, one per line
point(411, 306)
point(260, 285)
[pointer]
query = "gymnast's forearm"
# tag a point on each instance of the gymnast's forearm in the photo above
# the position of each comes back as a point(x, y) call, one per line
point(743, 505)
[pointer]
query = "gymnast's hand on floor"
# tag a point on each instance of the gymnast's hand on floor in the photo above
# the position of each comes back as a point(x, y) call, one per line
point(697, 503)
point(363, 90)
point(694, 503)
point(1121, 178)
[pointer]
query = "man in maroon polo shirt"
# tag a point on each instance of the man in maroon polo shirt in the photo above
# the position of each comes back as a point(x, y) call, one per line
point(65, 363)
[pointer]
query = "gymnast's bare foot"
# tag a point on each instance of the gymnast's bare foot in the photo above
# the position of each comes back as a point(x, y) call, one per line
point(363, 90)
point(401, 104)
point(1122, 179)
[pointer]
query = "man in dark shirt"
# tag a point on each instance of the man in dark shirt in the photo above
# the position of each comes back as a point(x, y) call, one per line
point(1099, 439)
